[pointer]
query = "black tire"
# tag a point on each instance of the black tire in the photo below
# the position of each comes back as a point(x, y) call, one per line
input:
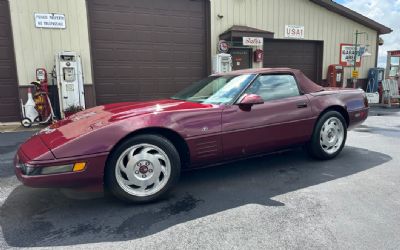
point(314, 147)
point(110, 172)
point(26, 122)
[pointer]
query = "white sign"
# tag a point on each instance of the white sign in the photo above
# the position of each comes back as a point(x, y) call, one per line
point(253, 41)
point(50, 21)
point(294, 31)
point(347, 55)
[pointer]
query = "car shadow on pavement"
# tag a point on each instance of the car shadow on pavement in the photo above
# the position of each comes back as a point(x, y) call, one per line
point(45, 217)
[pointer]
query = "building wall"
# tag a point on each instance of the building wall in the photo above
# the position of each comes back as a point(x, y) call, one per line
point(272, 15)
point(36, 47)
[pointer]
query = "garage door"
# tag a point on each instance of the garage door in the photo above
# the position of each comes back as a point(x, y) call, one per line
point(9, 105)
point(146, 49)
point(303, 55)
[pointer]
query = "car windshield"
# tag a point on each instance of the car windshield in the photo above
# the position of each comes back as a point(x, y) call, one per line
point(215, 89)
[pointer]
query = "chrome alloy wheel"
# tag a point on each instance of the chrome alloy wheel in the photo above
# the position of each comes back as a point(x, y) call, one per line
point(143, 170)
point(332, 135)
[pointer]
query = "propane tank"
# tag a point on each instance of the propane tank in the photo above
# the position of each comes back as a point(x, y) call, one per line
point(30, 111)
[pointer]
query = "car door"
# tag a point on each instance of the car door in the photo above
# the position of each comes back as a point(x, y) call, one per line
point(283, 119)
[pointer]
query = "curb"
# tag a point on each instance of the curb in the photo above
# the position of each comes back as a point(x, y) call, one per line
point(16, 127)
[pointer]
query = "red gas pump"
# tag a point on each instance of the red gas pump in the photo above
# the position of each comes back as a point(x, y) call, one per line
point(335, 75)
point(41, 76)
point(41, 96)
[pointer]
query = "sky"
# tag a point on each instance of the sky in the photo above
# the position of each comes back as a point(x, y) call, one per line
point(386, 12)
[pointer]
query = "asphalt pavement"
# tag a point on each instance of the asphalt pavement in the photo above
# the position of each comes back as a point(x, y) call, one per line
point(285, 200)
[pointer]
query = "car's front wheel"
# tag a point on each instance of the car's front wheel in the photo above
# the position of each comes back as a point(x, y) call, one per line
point(142, 168)
point(329, 136)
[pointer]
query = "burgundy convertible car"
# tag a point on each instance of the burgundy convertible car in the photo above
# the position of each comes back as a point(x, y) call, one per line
point(138, 149)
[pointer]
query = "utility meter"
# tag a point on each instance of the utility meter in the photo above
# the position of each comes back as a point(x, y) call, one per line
point(69, 76)
point(221, 63)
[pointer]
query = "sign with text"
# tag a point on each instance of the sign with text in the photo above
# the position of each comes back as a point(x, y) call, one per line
point(50, 21)
point(294, 31)
point(347, 55)
point(253, 41)
point(354, 74)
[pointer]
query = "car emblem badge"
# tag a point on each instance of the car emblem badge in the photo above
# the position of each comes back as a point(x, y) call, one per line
point(204, 129)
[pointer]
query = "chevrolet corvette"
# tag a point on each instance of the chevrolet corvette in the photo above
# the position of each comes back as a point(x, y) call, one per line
point(137, 150)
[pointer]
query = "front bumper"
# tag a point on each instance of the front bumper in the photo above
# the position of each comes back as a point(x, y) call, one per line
point(91, 176)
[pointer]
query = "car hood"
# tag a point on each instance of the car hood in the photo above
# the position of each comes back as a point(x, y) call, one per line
point(69, 130)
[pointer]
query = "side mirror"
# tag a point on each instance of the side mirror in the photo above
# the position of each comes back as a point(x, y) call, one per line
point(250, 100)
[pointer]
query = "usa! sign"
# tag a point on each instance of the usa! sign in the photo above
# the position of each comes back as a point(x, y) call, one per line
point(294, 31)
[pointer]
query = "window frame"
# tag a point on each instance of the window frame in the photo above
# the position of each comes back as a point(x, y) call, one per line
point(269, 74)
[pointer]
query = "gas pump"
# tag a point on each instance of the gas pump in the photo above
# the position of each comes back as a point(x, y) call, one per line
point(393, 64)
point(69, 81)
point(335, 75)
point(41, 76)
point(374, 85)
point(222, 63)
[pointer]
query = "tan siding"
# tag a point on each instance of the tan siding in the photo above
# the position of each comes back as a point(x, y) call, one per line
point(273, 15)
point(35, 47)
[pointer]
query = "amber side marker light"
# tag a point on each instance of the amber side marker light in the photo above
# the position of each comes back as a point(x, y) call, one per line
point(80, 166)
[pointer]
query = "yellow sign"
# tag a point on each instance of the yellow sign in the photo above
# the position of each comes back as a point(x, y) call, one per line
point(354, 73)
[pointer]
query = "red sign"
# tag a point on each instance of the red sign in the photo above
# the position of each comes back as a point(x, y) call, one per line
point(395, 53)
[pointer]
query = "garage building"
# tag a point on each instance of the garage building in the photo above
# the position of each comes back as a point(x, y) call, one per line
point(139, 49)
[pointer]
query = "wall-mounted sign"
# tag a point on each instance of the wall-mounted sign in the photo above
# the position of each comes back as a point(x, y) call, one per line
point(253, 41)
point(223, 46)
point(347, 55)
point(50, 21)
point(294, 31)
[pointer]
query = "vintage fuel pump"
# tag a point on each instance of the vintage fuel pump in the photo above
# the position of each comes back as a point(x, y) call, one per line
point(69, 81)
point(222, 63)
point(393, 66)
point(374, 85)
point(335, 75)
point(38, 108)
point(41, 76)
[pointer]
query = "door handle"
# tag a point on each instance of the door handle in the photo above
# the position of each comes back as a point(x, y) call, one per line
point(302, 105)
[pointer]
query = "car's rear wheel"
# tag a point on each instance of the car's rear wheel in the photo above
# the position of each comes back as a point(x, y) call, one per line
point(142, 168)
point(329, 136)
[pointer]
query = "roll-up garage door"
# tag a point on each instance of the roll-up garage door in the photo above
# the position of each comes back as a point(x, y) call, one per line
point(9, 105)
point(147, 49)
point(303, 55)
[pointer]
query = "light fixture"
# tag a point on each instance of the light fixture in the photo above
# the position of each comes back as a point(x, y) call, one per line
point(366, 52)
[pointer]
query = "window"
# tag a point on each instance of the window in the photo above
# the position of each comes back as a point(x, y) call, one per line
point(215, 89)
point(272, 87)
